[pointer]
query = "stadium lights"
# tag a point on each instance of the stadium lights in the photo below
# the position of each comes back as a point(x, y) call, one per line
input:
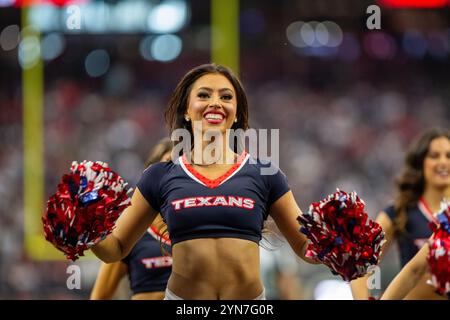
point(6, 3)
point(97, 63)
point(122, 17)
point(163, 48)
point(166, 47)
point(380, 45)
point(29, 51)
point(168, 17)
point(10, 37)
point(314, 34)
point(52, 45)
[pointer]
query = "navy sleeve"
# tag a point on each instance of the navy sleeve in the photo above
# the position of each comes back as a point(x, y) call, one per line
point(390, 211)
point(278, 186)
point(149, 184)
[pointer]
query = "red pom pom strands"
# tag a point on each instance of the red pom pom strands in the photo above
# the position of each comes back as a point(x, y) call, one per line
point(342, 236)
point(439, 254)
point(85, 207)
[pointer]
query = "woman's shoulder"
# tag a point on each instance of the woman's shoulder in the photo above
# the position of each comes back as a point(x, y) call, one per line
point(389, 207)
point(390, 211)
point(262, 162)
point(158, 170)
point(160, 166)
point(265, 165)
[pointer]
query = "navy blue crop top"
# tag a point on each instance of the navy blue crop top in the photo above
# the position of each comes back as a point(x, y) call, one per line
point(148, 268)
point(417, 230)
point(234, 205)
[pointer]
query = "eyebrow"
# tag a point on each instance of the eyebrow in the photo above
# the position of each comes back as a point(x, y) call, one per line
point(210, 90)
point(437, 151)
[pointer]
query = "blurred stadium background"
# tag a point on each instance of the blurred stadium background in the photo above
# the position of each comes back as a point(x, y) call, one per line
point(347, 101)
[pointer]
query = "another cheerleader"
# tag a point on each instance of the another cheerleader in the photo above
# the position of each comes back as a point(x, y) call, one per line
point(214, 211)
point(433, 258)
point(424, 183)
point(409, 277)
point(148, 265)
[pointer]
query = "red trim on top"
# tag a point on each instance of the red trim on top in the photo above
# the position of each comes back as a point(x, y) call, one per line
point(160, 236)
point(216, 182)
point(427, 210)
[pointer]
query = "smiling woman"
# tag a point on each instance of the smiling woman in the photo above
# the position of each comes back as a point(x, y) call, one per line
point(212, 99)
point(208, 99)
point(212, 108)
point(424, 182)
point(214, 211)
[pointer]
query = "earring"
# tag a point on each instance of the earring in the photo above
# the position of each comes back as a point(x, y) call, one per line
point(187, 118)
point(235, 120)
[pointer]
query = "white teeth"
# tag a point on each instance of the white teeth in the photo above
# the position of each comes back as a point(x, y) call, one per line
point(214, 116)
point(442, 172)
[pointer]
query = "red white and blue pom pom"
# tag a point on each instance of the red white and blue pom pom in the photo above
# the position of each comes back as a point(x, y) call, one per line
point(439, 253)
point(85, 207)
point(342, 236)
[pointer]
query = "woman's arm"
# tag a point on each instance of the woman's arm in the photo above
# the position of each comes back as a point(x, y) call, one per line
point(359, 286)
point(129, 229)
point(408, 277)
point(284, 212)
point(108, 279)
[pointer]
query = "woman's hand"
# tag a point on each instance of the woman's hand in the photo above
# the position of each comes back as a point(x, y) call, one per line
point(359, 286)
point(108, 279)
point(408, 277)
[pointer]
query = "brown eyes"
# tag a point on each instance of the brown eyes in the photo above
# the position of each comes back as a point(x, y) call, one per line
point(435, 155)
point(204, 95)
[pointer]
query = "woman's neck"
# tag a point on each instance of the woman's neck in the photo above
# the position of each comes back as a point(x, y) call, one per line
point(434, 196)
point(209, 154)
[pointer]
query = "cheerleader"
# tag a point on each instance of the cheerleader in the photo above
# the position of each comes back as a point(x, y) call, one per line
point(409, 278)
point(147, 267)
point(214, 211)
point(424, 183)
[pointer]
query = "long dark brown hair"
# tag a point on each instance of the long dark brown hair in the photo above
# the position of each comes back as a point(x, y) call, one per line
point(411, 183)
point(156, 153)
point(178, 104)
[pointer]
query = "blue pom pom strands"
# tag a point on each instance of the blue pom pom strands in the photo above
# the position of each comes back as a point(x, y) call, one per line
point(439, 254)
point(85, 207)
point(341, 235)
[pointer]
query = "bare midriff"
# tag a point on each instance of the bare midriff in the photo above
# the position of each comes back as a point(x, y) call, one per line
point(222, 268)
point(159, 295)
